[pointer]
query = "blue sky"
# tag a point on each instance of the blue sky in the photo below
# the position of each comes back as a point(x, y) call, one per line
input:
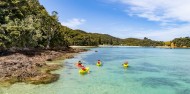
point(158, 20)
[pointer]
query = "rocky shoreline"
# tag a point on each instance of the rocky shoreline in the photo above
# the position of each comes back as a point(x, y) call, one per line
point(31, 67)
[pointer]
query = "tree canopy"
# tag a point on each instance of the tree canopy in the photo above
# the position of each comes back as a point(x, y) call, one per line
point(182, 42)
point(141, 42)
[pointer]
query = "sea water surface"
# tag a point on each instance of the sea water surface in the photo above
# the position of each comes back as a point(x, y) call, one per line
point(150, 71)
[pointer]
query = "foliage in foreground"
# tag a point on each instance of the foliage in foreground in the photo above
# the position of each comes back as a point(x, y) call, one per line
point(26, 24)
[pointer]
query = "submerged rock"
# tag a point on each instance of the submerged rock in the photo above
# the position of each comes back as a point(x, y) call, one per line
point(43, 79)
point(38, 73)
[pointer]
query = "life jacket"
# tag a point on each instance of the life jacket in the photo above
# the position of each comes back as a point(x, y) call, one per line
point(99, 62)
point(84, 69)
point(79, 64)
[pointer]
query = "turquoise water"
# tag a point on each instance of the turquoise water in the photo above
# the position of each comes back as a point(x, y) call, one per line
point(150, 71)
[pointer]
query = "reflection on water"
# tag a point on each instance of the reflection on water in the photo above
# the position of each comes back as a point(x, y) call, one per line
point(150, 71)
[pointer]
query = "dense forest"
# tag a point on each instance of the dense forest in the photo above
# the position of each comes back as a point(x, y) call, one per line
point(79, 37)
point(182, 42)
point(142, 42)
point(27, 24)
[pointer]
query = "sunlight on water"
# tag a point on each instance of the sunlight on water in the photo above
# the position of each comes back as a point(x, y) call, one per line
point(150, 71)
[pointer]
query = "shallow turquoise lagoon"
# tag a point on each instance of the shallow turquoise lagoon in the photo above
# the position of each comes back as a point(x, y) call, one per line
point(150, 71)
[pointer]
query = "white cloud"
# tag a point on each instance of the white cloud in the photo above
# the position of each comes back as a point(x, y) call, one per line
point(166, 34)
point(170, 13)
point(74, 23)
point(159, 10)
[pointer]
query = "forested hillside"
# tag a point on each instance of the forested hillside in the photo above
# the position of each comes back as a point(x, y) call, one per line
point(182, 42)
point(141, 42)
point(79, 37)
point(27, 24)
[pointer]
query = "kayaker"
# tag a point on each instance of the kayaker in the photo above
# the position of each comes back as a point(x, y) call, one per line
point(84, 70)
point(126, 63)
point(99, 62)
point(79, 64)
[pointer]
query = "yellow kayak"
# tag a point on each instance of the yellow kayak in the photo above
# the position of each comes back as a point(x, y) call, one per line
point(84, 72)
point(125, 65)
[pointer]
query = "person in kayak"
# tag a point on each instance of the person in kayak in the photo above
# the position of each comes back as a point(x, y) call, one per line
point(126, 63)
point(99, 62)
point(79, 64)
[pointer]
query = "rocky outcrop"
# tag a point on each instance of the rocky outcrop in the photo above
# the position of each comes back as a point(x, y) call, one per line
point(30, 72)
point(18, 67)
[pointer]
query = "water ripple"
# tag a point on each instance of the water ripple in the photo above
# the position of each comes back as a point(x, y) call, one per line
point(157, 82)
point(184, 91)
point(146, 69)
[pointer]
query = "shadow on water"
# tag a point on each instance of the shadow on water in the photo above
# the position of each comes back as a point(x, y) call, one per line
point(155, 82)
